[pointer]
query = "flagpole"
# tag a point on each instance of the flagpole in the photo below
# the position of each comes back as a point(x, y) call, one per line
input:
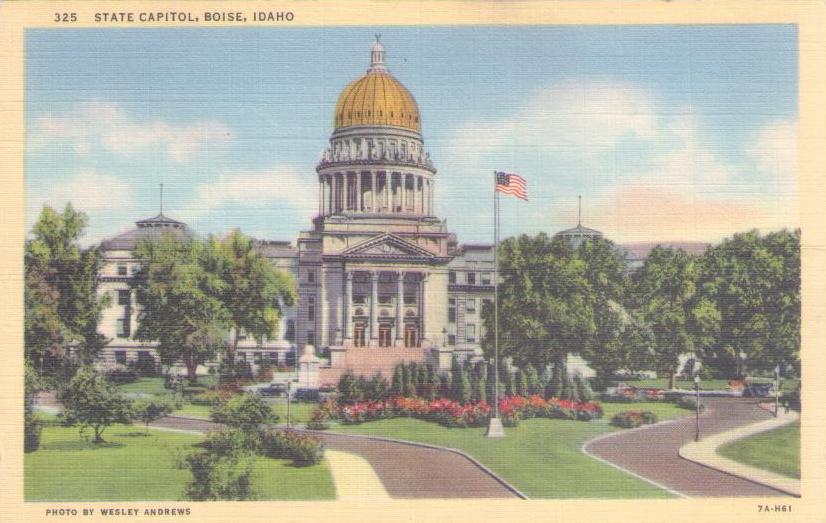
point(495, 429)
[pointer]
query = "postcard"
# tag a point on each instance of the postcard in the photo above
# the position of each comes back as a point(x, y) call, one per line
point(414, 260)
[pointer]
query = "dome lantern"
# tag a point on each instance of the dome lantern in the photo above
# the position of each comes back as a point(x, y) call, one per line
point(377, 56)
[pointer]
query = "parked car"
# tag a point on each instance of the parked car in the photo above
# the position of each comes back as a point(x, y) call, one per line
point(758, 390)
point(273, 389)
point(304, 394)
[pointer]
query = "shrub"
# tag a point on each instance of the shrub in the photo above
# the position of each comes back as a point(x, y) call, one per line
point(91, 401)
point(791, 400)
point(145, 367)
point(32, 428)
point(302, 449)
point(264, 373)
point(319, 418)
point(348, 388)
point(219, 476)
point(630, 419)
point(689, 402)
point(152, 409)
point(212, 397)
point(244, 411)
point(119, 375)
point(227, 442)
point(377, 388)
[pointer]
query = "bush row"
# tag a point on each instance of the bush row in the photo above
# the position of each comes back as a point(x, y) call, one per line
point(630, 419)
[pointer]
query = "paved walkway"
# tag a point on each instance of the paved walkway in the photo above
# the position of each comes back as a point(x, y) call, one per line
point(405, 470)
point(705, 453)
point(361, 483)
point(651, 452)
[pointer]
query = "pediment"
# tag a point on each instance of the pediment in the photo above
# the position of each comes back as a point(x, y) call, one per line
point(387, 246)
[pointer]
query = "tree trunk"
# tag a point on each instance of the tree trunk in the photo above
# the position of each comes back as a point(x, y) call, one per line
point(191, 369)
point(672, 382)
point(230, 354)
point(99, 434)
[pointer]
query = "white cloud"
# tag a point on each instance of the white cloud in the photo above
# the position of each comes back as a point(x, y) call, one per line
point(280, 185)
point(774, 148)
point(593, 114)
point(88, 191)
point(110, 127)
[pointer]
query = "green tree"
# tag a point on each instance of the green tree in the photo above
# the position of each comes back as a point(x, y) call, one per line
point(377, 387)
point(62, 305)
point(663, 291)
point(245, 412)
point(91, 401)
point(546, 302)
point(748, 305)
point(519, 383)
point(151, 409)
point(253, 291)
point(180, 305)
point(397, 384)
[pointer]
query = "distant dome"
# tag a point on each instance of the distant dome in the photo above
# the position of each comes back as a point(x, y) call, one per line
point(377, 98)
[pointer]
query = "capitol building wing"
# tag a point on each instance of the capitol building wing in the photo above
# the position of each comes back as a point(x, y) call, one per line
point(380, 278)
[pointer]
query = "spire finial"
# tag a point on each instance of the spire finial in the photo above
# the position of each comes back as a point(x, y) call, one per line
point(579, 219)
point(377, 55)
point(161, 199)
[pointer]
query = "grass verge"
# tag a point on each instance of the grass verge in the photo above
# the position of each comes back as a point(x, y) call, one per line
point(775, 450)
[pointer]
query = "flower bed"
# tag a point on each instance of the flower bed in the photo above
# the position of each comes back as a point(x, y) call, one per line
point(630, 419)
point(454, 414)
point(633, 394)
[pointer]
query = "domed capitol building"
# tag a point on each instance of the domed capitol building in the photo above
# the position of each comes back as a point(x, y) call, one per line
point(380, 278)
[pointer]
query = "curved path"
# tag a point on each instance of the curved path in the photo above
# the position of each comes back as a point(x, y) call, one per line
point(406, 470)
point(651, 452)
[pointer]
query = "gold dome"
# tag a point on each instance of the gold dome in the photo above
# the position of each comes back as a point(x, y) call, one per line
point(377, 98)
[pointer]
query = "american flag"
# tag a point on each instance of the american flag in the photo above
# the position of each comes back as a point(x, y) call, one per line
point(513, 184)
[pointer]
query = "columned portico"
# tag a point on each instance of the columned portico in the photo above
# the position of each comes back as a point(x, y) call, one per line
point(399, 308)
point(374, 309)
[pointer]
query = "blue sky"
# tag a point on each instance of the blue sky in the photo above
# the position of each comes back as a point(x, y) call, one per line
point(668, 132)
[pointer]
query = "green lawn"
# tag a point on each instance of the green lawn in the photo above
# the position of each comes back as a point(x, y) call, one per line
point(540, 457)
point(132, 466)
point(776, 450)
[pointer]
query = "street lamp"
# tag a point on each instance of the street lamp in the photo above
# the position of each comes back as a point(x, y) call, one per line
point(289, 386)
point(697, 417)
point(776, 390)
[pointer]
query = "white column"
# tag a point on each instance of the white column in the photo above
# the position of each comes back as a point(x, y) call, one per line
point(346, 203)
point(334, 207)
point(399, 305)
point(320, 195)
point(359, 207)
point(422, 305)
point(348, 300)
point(403, 180)
point(374, 308)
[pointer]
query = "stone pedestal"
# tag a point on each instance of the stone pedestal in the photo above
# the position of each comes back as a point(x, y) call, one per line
point(308, 365)
point(495, 429)
point(337, 353)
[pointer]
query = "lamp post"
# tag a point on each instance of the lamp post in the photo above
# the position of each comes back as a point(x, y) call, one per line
point(289, 386)
point(776, 390)
point(697, 416)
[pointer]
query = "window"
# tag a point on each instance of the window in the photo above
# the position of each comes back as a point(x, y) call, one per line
point(242, 334)
point(290, 359)
point(359, 299)
point(451, 277)
point(385, 300)
point(310, 338)
point(289, 335)
point(311, 276)
point(311, 308)
point(471, 278)
point(122, 327)
point(451, 310)
point(120, 357)
point(258, 358)
point(486, 278)
point(273, 358)
point(123, 297)
point(410, 299)
point(470, 306)
point(470, 333)
point(451, 339)
point(122, 269)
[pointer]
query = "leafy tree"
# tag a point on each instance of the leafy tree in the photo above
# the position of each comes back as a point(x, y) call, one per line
point(62, 306)
point(748, 305)
point(245, 412)
point(180, 305)
point(460, 384)
point(221, 469)
point(91, 401)
point(623, 340)
point(532, 380)
point(663, 290)
point(348, 388)
point(377, 387)
point(151, 409)
point(519, 383)
point(253, 291)
point(397, 384)
point(546, 302)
